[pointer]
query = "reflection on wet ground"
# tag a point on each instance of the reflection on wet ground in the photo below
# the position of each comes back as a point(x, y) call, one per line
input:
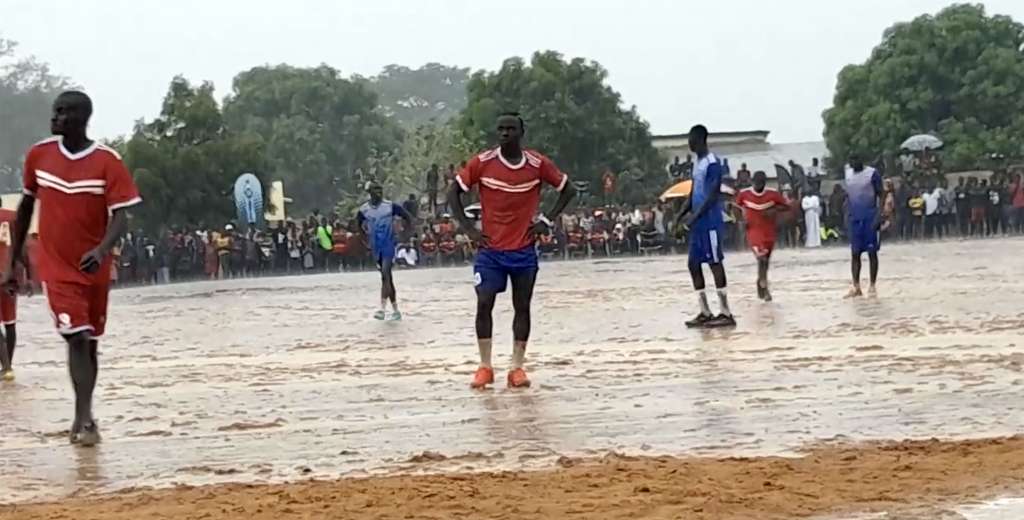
point(277, 379)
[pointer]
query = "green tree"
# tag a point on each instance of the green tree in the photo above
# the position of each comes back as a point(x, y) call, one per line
point(571, 115)
point(958, 74)
point(413, 97)
point(27, 90)
point(317, 130)
point(185, 161)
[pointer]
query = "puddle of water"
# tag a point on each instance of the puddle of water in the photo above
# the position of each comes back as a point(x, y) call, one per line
point(1002, 509)
point(278, 379)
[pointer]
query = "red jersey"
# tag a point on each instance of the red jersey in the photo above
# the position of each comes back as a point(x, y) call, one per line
point(76, 194)
point(509, 194)
point(7, 218)
point(760, 224)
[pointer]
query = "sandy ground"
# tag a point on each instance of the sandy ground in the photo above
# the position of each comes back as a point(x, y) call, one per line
point(279, 380)
point(909, 479)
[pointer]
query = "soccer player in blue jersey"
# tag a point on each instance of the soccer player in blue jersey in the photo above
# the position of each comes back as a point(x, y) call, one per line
point(702, 215)
point(864, 192)
point(376, 223)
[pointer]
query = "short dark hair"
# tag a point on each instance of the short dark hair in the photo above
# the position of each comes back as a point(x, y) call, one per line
point(80, 96)
point(517, 115)
point(700, 132)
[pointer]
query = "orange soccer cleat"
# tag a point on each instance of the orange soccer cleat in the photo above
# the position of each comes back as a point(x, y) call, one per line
point(483, 377)
point(517, 379)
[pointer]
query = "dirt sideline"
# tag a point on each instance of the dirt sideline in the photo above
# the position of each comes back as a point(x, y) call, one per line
point(889, 476)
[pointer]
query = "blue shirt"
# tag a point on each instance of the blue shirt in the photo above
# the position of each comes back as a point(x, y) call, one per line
point(707, 183)
point(378, 222)
point(862, 191)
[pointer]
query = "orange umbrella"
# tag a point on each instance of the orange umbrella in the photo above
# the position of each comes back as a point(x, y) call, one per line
point(679, 190)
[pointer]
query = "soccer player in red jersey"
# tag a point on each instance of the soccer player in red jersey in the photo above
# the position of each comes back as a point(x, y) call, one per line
point(510, 180)
point(83, 189)
point(761, 206)
point(8, 302)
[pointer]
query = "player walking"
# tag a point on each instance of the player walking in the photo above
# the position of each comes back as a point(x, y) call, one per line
point(702, 215)
point(8, 301)
point(761, 206)
point(83, 189)
point(510, 180)
point(864, 192)
point(376, 223)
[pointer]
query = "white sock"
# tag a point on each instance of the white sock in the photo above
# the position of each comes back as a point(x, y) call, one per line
point(518, 354)
point(383, 304)
point(724, 301)
point(702, 296)
point(485, 351)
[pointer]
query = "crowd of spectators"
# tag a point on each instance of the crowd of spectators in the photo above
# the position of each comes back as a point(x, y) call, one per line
point(914, 206)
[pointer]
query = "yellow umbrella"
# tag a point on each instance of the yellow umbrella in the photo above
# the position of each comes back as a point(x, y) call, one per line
point(679, 190)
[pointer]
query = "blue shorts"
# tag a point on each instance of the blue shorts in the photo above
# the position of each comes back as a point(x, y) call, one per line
point(706, 246)
point(386, 251)
point(492, 268)
point(864, 238)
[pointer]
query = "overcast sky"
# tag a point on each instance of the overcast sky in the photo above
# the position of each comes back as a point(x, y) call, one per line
point(731, 64)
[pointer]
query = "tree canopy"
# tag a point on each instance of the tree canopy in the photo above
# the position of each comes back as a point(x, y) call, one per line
point(571, 115)
point(318, 130)
point(186, 161)
point(27, 91)
point(958, 74)
point(413, 97)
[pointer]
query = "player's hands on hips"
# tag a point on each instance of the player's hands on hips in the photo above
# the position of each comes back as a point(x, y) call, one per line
point(91, 261)
point(474, 234)
point(540, 228)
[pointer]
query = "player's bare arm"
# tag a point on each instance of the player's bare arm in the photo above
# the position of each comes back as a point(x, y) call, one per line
point(564, 198)
point(26, 207)
point(455, 200)
point(116, 228)
point(714, 191)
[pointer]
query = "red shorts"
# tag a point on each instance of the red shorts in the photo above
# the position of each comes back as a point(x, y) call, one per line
point(78, 307)
point(8, 308)
point(762, 244)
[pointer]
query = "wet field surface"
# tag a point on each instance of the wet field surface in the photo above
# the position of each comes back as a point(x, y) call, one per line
point(288, 378)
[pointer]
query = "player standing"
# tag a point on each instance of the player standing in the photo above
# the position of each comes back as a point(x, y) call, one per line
point(761, 206)
point(83, 189)
point(8, 302)
point(376, 223)
point(702, 215)
point(864, 193)
point(510, 180)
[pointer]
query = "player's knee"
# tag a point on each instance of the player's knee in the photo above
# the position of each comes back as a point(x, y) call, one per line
point(484, 304)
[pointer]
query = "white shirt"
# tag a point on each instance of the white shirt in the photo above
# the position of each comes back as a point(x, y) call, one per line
point(813, 171)
point(637, 218)
point(931, 202)
point(587, 223)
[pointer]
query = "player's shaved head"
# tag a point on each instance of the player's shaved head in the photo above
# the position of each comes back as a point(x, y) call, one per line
point(513, 115)
point(698, 139)
point(71, 112)
point(510, 129)
point(760, 179)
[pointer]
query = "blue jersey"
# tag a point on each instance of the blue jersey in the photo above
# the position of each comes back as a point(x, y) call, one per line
point(862, 191)
point(707, 183)
point(379, 224)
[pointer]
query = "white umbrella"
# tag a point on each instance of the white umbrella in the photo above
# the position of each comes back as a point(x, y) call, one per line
point(919, 142)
